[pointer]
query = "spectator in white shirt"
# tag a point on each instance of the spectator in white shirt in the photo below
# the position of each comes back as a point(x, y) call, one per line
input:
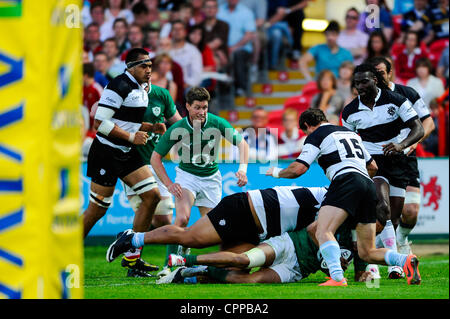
point(118, 9)
point(98, 16)
point(353, 39)
point(186, 55)
point(426, 84)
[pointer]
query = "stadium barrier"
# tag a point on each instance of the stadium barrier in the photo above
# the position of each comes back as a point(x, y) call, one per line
point(433, 216)
point(41, 251)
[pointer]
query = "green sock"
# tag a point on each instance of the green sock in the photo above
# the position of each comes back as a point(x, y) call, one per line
point(191, 260)
point(218, 273)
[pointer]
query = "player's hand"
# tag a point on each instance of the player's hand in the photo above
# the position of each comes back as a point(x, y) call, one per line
point(175, 190)
point(146, 127)
point(159, 128)
point(270, 171)
point(140, 138)
point(392, 148)
point(412, 148)
point(363, 276)
point(242, 178)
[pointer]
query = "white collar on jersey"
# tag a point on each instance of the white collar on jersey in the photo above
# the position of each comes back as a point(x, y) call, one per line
point(362, 106)
point(141, 86)
point(392, 86)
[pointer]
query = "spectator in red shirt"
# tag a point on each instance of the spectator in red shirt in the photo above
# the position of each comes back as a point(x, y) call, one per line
point(91, 94)
point(405, 61)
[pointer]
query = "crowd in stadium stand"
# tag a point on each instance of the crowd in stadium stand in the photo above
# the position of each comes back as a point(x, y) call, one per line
point(225, 45)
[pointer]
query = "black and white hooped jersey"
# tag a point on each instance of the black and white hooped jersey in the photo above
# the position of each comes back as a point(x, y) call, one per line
point(382, 124)
point(286, 208)
point(129, 100)
point(337, 150)
point(417, 103)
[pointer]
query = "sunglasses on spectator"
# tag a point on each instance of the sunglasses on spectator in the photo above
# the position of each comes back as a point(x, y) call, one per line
point(351, 17)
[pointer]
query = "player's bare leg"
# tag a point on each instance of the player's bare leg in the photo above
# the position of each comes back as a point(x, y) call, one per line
point(389, 207)
point(368, 252)
point(144, 185)
point(219, 266)
point(409, 218)
point(328, 221)
point(201, 234)
point(150, 198)
point(183, 250)
point(100, 199)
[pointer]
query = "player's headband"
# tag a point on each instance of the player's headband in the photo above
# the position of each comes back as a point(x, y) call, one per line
point(136, 63)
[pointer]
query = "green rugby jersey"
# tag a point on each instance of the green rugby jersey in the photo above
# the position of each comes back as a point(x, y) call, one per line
point(307, 251)
point(160, 107)
point(199, 149)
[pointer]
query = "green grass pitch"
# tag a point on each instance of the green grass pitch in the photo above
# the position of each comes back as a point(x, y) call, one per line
point(105, 280)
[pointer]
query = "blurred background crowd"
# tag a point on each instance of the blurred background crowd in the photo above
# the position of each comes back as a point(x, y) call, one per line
point(232, 46)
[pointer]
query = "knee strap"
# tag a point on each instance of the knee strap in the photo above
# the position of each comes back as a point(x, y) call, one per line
point(100, 200)
point(144, 185)
point(412, 198)
point(165, 207)
point(135, 202)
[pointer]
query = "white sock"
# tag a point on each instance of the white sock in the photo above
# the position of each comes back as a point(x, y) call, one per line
point(388, 236)
point(332, 255)
point(402, 234)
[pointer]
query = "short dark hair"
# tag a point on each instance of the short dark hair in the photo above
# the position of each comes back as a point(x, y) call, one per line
point(134, 54)
point(312, 117)
point(426, 63)
point(368, 67)
point(333, 26)
point(353, 9)
point(139, 8)
point(96, 4)
point(197, 94)
point(88, 69)
point(112, 40)
point(120, 20)
point(178, 21)
point(380, 59)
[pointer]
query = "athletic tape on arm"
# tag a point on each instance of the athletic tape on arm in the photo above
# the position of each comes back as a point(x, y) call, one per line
point(105, 114)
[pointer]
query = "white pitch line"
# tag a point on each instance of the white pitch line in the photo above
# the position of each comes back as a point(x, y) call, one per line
point(117, 285)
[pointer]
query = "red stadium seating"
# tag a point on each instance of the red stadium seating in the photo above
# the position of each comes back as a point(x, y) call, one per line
point(436, 49)
point(275, 121)
point(303, 101)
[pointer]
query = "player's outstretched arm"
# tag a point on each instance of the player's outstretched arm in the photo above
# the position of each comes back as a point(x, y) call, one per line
point(294, 170)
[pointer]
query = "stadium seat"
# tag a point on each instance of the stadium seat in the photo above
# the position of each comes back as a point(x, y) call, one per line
point(299, 103)
point(397, 22)
point(275, 121)
point(436, 49)
point(310, 89)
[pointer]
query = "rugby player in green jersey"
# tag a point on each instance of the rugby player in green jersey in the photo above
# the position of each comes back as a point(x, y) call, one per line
point(198, 180)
